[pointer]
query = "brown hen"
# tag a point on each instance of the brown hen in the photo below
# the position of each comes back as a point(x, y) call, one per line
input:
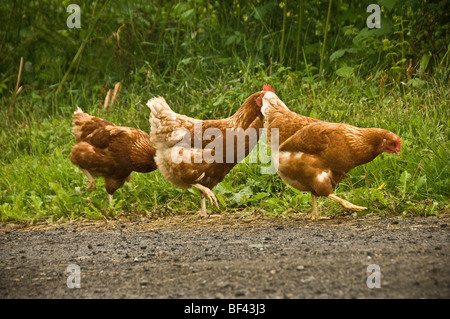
point(196, 153)
point(314, 156)
point(110, 151)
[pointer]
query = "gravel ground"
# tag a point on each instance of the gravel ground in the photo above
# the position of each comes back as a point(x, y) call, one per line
point(234, 256)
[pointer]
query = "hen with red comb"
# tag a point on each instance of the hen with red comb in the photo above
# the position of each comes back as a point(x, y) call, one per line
point(314, 155)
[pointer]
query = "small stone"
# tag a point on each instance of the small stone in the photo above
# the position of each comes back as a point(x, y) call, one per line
point(307, 279)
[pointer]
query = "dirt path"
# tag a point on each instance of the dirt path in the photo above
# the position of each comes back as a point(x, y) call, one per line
point(235, 256)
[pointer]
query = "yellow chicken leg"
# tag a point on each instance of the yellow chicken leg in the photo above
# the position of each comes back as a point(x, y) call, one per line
point(91, 180)
point(346, 204)
point(315, 212)
point(110, 199)
point(205, 192)
point(202, 212)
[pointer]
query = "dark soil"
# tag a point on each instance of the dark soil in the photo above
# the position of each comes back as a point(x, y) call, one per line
point(234, 256)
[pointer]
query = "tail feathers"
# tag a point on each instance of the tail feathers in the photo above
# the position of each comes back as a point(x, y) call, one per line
point(166, 127)
point(157, 106)
point(79, 119)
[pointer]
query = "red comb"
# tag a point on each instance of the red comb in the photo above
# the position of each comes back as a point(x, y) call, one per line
point(267, 87)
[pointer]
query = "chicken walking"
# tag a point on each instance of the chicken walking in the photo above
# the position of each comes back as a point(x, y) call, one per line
point(196, 153)
point(315, 156)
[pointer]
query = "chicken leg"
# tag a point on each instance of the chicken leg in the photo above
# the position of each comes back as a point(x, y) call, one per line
point(91, 180)
point(205, 192)
point(315, 212)
point(346, 204)
point(202, 212)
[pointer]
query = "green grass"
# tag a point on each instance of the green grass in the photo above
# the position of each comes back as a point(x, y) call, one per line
point(38, 181)
point(205, 58)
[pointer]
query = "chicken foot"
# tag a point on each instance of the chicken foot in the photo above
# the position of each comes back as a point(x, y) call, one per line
point(346, 204)
point(91, 180)
point(315, 213)
point(205, 192)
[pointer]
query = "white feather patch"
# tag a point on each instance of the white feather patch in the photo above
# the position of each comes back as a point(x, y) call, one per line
point(269, 101)
point(321, 177)
point(295, 155)
point(284, 154)
point(298, 155)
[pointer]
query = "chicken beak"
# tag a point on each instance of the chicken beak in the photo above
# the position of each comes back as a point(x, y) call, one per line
point(398, 153)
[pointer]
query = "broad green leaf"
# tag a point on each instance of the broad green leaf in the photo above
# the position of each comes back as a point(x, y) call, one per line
point(424, 63)
point(337, 54)
point(345, 72)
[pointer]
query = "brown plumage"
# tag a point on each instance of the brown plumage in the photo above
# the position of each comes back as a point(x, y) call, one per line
point(314, 155)
point(196, 153)
point(110, 151)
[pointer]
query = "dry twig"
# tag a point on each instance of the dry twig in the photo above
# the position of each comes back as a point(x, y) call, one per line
point(17, 90)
